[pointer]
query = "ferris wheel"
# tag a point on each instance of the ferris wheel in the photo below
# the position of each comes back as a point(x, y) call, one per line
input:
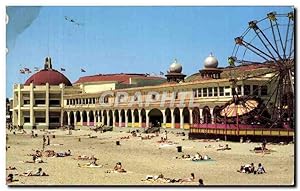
point(266, 43)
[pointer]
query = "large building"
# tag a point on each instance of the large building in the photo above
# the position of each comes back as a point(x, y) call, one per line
point(49, 100)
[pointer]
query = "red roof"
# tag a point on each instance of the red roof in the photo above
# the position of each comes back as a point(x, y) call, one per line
point(53, 77)
point(120, 78)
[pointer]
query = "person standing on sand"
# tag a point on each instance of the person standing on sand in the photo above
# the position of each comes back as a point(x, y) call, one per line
point(44, 142)
point(48, 140)
point(201, 182)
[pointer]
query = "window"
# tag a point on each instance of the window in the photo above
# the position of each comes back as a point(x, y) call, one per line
point(68, 102)
point(105, 100)
point(195, 92)
point(264, 90)
point(135, 98)
point(121, 98)
point(200, 92)
point(204, 92)
point(54, 102)
point(255, 90)
point(221, 89)
point(40, 120)
point(227, 94)
point(246, 90)
point(26, 119)
point(54, 120)
point(209, 92)
point(153, 96)
point(40, 102)
point(26, 102)
point(215, 91)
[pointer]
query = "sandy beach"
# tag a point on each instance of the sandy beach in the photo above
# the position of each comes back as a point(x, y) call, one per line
point(145, 157)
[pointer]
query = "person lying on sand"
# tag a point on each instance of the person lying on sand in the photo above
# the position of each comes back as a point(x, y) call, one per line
point(189, 179)
point(49, 153)
point(10, 179)
point(34, 160)
point(223, 148)
point(39, 172)
point(84, 157)
point(197, 157)
point(125, 137)
point(63, 154)
point(160, 178)
point(184, 157)
point(91, 164)
point(118, 168)
point(248, 168)
point(11, 168)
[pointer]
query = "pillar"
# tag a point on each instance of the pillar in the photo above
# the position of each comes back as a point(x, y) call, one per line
point(120, 118)
point(99, 116)
point(164, 119)
point(191, 117)
point(147, 118)
point(75, 119)
point(88, 118)
point(126, 119)
point(212, 116)
point(201, 117)
point(47, 105)
point(114, 119)
point(31, 105)
point(140, 118)
point(69, 120)
point(81, 118)
point(108, 118)
point(19, 104)
point(181, 118)
point(103, 118)
point(132, 118)
point(172, 119)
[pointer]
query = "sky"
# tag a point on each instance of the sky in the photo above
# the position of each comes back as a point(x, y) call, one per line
point(122, 39)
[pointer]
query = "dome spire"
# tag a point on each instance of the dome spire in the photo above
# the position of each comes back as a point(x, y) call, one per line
point(48, 64)
point(211, 61)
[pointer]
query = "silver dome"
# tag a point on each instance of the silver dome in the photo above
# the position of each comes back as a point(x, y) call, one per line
point(211, 62)
point(175, 67)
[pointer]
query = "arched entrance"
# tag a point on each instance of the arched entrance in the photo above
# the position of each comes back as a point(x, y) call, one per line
point(206, 115)
point(65, 118)
point(72, 118)
point(136, 116)
point(117, 117)
point(143, 114)
point(176, 115)
point(78, 117)
point(155, 117)
point(84, 118)
point(92, 119)
point(129, 118)
point(104, 119)
point(123, 117)
point(186, 115)
point(196, 115)
point(216, 114)
point(110, 113)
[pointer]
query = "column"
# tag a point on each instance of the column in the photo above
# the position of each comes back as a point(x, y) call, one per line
point(31, 105)
point(201, 117)
point(212, 116)
point(120, 119)
point(99, 116)
point(126, 119)
point(108, 118)
point(88, 118)
point(114, 119)
point(132, 118)
point(69, 121)
point(164, 119)
point(81, 119)
point(140, 118)
point(47, 105)
point(191, 117)
point(19, 104)
point(181, 118)
point(75, 119)
point(172, 119)
point(95, 118)
point(147, 118)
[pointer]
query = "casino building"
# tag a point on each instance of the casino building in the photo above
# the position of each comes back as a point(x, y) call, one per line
point(49, 100)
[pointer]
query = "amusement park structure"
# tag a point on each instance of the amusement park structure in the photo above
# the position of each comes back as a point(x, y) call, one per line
point(269, 44)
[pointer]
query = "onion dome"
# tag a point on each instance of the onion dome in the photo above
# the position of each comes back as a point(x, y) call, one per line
point(48, 75)
point(211, 62)
point(175, 67)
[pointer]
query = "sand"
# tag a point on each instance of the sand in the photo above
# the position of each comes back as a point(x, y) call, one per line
point(145, 157)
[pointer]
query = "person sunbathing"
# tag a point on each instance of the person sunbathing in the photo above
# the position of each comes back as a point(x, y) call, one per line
point(10, 179)
point(206, 157)
point(248, 168)
point(91, 164)
point(197, 157)
point(125, 137)
point(85, 157)
point(63, 154)
point(39, 172)
point(11, 168)
point(224, 148)
point(189, 179)
point(118, 167)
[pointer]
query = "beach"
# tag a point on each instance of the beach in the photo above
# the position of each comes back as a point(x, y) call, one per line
point(144, 157)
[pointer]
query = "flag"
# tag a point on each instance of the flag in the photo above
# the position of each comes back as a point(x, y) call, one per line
point(36, 69)
point(62, 69)
point(161, 73)
point(26, 69)
point(22, 71)
point(82, 70)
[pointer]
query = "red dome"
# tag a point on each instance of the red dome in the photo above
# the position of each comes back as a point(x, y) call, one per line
point(53, 77)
